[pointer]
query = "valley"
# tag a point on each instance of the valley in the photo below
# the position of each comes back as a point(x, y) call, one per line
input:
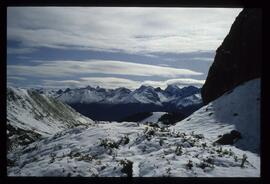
point(117, 104)
point(187, 149)
point(132, 103)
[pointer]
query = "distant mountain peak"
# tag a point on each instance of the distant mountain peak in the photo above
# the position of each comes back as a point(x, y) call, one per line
point(158, 89)
point(123, 89)
point(144, 87)
point(89, 87)
point(189, 87)
point(172, 89)
point(67, 90)
point(60, 91)
point(86, 99)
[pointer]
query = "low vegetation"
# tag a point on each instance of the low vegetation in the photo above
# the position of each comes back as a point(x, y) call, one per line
point(127, 167)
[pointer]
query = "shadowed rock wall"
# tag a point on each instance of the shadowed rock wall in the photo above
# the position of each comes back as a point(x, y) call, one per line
point(239, 57)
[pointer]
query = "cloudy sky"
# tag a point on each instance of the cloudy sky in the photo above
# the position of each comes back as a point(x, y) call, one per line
point(113, 47)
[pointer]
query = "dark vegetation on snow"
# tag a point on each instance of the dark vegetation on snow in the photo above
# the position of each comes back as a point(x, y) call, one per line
point(20, 137)
point(146, 143)
point(54, 108)
point(127, 167)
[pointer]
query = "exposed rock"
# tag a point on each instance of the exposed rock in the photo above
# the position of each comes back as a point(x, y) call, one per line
point(171, 118)
point(229, 138)
point(239, 57)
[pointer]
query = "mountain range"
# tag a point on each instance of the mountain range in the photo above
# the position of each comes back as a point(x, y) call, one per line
point(110, 149)
point(46, 137)
point(122, 102)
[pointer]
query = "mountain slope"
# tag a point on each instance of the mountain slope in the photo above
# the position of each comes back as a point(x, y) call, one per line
point(238, 109)
point(31, 116)
point(131, 149)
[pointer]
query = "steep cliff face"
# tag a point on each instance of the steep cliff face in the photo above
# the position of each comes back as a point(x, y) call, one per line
point(239, 57)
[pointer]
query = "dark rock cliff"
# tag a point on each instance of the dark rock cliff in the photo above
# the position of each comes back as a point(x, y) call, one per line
point(239, 57)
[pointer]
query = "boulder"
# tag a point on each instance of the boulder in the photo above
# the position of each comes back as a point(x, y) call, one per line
point(229, 138)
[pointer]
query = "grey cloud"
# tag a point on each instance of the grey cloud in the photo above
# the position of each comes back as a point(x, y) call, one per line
point(130, 30)
point(20, 50)
point(114, 82)
point(71, 68)
point(15, 78)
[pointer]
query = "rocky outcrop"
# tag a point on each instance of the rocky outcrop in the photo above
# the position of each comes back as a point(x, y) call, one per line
point(229, 138)
point(239, 57)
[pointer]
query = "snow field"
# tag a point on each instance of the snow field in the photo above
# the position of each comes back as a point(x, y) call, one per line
point(78, 152)
point(183, 150)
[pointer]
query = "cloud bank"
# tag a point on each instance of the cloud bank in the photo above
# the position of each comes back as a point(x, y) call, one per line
point(118, 29)
point(136, 46)
point(113, 82)
point(73, 68)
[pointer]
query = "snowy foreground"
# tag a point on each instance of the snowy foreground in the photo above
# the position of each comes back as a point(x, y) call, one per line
point(136, 149)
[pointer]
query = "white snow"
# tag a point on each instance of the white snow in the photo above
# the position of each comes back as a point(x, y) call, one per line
point(100, 149)
point(239, 110)
point(38, 114)
point(78, 152)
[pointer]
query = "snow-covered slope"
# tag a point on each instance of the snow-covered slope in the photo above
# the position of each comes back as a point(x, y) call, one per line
point(183, 150)
point(31, 116)
point(238, 109)
point(121, 149)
